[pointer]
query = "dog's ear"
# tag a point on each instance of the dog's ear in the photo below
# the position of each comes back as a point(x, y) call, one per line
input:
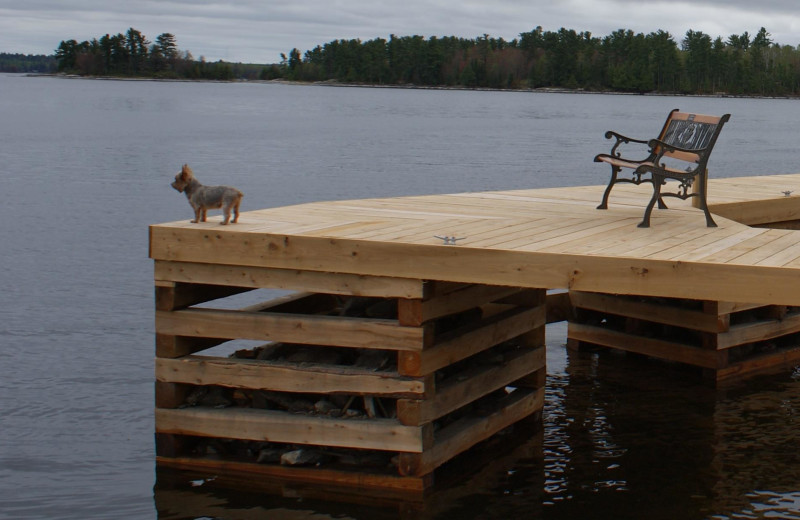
point(186, 172)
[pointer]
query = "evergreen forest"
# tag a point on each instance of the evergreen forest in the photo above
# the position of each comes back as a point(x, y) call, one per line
point(623, 61)
point(30, 63)
point(131, 54)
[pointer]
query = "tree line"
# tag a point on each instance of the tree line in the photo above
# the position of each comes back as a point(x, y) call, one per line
point(15, 62)
point(132, 54)
point(742, 64)
point(622, 61)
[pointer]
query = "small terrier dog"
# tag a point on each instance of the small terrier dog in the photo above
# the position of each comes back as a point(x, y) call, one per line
point(203, 198)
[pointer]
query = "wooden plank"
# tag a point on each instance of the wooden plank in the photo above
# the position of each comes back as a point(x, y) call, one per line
point(469, 386)
point(417, 312)
point(286, 377)
point(649, 346)
point(586, 241)
point(274, 426)
point(170, 395)
point(170, 346)
point(177, 295)
point(290, 328)
point(469, 431)
point(647, 245)
point(759, 331)
point(466, 342)
point(296, 303)
point(763, 363)
point(759, 212)
point(288, 279)
point(559, 307)
point(782, 258)
point(360, 480)
point(703, 247)
point(532, 298)
point(722, 308)
point(559, 237)
point(786, 239)
point(652, 312)
point(699, 280)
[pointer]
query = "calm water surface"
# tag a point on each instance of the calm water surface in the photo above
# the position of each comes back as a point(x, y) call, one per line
point(85, 167)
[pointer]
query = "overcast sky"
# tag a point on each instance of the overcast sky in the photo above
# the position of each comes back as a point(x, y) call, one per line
point(258, 31)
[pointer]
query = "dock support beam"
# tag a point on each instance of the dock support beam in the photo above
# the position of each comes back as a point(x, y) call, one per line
point(414, 372)
point(725, 340)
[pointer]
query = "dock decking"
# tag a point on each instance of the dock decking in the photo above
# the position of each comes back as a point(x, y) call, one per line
point(543, 238)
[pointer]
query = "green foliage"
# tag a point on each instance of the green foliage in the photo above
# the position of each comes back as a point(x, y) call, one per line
point(132, 54)
point(27, 63)
point(621, 61)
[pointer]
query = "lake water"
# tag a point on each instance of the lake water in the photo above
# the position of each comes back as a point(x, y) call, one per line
point(85, 167)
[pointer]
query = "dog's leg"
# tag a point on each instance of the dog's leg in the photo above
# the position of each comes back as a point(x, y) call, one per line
point(227, 212)
point(203, 212)
point(196, 216)
point(236, 210)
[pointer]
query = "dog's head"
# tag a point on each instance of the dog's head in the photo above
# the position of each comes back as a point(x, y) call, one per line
point(183, 178)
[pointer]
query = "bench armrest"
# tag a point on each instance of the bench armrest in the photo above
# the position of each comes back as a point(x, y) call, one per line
point(620, 139)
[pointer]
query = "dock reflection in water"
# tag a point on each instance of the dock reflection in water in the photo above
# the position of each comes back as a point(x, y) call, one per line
point(624, 437)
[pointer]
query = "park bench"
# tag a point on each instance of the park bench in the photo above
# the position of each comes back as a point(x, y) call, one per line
point(685, 138)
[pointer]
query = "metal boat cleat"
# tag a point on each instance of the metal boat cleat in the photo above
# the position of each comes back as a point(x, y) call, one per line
point(449, 241)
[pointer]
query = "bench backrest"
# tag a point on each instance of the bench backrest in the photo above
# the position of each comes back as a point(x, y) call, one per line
point(693, 132)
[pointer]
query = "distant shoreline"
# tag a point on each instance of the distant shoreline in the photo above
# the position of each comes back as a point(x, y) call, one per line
point(331, 83)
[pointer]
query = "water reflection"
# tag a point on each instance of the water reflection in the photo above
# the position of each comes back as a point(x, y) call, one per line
point(624, 437)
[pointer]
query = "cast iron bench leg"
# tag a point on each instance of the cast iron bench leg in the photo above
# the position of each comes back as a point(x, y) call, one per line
point(703, 203)
point(604, 203)
point(657, 182)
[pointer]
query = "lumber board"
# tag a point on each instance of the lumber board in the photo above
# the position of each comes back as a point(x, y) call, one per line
point(467, 432)
point(756, 212)
point(465, 342)
point(651, 245)
point(661, 349)
point(171, 346)
point(361, 480)
point(169, 395)
point(759, 331)
point(780, 243)
point(722, 308)
point(704, 247)
point(759, 364)
point(419, 311)
point(287, 377)
point(785, 257)
point(255, 277)
point(295, 303)
point(468, 386)
point(178, 295)
point(275, 426)
point(291, 328)
point(731, 254)
point(652, 312)
point(517, 268)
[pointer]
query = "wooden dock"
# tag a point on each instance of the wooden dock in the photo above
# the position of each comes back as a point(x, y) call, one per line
point(549, 238)
point(464, 276)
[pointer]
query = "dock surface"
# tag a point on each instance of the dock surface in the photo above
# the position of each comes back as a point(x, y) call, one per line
point(538, 238)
